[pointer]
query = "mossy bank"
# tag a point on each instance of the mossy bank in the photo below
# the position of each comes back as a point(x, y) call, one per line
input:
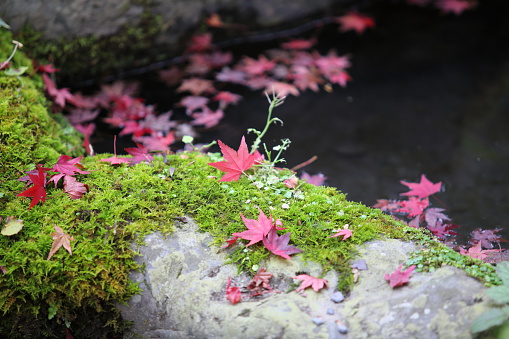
point(124, 203)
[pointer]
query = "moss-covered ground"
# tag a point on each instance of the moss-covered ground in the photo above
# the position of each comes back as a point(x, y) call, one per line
point(40, 296)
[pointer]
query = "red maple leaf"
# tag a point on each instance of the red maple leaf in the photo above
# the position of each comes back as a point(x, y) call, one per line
point(200, 43)
point(422, 189)
point(356, 22)
point(235, 162)
point(74, 188)
point(398, 277)
point(279, 244)
point(65, 166)
point(37, 191)
point(310, 281)
point(257, 229)
point(230, 242)
point(232, 293)
point(139, 153)
point(441, 230)
point(49, 68)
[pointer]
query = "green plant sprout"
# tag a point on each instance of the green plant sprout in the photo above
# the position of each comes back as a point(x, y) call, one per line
point(273, 103)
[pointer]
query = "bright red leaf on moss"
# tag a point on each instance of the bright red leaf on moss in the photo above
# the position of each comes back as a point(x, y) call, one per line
point(354, 21)
point(398, 277)
point(422, 189)
point(66, 166)
point(37, 192)
point(232, 293)
point(235, 162)
point(279, 244)
point(309, 281)
point(257, 229)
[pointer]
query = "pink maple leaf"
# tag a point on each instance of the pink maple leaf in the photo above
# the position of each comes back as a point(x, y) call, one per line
point(196, 86)
point(235, 163)
point(422, 189)
point(477, 252)
point(257, 66)
point(315, 179)
point(455, 6)
point(282, 89)
point(257, 229)
point(345, 232)
point(340, 78)
point(398, 277)
point(67, 166)
point(309, 281)
point(139, 153)
point(157, 141)
point(413, 206)
point(59, 96)
point(279, 244)
point(207, 117)
point(74, 188)
point(200, 43)
point(356, 22)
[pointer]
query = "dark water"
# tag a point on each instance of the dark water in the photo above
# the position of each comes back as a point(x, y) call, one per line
point(430, 96)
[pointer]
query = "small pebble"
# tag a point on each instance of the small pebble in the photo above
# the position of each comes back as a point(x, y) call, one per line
point(318, 321)
point(330, 311)
point(341, 328)
point(337, 297)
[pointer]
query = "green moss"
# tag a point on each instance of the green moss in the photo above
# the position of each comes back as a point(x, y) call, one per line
point(95, 57)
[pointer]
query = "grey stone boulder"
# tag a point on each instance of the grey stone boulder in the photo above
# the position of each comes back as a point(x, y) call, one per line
point(184, 286)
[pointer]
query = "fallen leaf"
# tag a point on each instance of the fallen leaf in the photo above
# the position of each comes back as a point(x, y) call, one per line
point(12, 226)
point(260, 281)
point(279, 244)
point(235, 162)
point(257, 229)
point(60, 239)
point(232, 293)
point(309, 281)
point(346, 233)
point(74, 188)
point(356, 22)
point(37, 191)
point(422, 189)
point(398, 277)
point(139, 153)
